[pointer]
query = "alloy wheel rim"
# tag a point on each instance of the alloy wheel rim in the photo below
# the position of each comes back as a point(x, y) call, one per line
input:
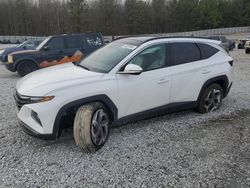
point(213, 100)
point(99, 127)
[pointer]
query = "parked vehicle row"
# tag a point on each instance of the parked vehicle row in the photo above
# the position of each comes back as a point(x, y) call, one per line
point(127, 80)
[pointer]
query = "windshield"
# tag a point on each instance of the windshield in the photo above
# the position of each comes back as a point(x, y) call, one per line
point(22, 44)
point(107, 57)
point(42, 43)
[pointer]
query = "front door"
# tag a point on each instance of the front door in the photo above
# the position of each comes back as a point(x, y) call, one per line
point(150, 89)
point(52, 52)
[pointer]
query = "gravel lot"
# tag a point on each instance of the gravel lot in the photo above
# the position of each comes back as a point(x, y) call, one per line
point(183, 149)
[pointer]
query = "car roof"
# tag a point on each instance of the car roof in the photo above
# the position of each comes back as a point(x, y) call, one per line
point(143, 39)
point(134, 40)
point(75, 34)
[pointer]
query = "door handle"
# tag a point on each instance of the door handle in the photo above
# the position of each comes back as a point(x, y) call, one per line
point(163, 80)
point(206, 71)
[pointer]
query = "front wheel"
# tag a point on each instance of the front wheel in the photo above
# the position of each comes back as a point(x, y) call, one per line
point(247, 50)
point(210, 99)
point(26, 67)
point(91, 126)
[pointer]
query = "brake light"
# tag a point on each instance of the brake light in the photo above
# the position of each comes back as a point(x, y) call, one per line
point(231, 62)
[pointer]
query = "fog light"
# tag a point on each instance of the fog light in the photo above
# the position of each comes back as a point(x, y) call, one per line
point(35, 116)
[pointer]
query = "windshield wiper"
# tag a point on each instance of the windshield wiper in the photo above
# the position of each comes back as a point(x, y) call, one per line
point(82, 66)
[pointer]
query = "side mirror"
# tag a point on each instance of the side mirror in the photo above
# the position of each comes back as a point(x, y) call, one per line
point(132, 69)
point(46, 48)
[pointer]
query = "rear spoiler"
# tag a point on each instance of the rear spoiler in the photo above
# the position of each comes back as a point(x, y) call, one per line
point(211, 41)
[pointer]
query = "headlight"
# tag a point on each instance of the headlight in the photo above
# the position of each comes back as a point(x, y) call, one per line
point(40, 99)
point(23, 100)
point(10, 59)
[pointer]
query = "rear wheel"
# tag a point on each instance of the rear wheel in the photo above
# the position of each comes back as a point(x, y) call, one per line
point(91, 126)
point(210, 99)
point(26, 67)
point(247, 50)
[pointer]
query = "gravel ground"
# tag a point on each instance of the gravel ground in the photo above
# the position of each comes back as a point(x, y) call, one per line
point(183, 149)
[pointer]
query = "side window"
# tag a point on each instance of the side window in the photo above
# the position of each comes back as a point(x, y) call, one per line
point(55, 43)
point(73, 42)
point(151, 58)
point(207, 51)
point(181, 53)
point(93, 40)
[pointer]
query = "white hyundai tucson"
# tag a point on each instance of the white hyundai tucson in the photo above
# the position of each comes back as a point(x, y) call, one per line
point(127, 80)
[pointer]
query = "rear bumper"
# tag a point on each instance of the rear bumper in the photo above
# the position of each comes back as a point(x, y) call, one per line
point(33, 133)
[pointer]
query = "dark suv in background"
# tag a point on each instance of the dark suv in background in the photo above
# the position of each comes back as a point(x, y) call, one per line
point(225, 43)
point(54, 50)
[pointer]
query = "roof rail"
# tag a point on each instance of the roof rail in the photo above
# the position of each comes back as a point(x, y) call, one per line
point(190, 37)
point(126, 36)
point(160, 37)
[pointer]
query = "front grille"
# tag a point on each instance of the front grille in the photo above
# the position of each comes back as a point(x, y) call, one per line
point(21, 100)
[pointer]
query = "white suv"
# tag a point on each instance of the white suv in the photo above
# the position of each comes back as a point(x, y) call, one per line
point(127, 80)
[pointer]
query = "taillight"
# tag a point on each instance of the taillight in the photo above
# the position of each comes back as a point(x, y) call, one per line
point(231, 62)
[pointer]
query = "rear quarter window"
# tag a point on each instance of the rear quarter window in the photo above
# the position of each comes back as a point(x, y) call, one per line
point(184, 52)
point(94, 40)
point(207, 51)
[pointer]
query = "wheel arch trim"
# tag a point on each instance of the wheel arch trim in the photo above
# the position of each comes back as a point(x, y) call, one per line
point(25, 59)
point(216, 79)
point(77, 103)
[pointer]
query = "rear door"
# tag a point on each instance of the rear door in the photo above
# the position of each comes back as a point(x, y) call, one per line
point(188, 71)
point(74, 48)
point(52, 52)
point(92, 42)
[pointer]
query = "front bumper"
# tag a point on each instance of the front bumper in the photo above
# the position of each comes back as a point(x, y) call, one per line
point(33, 133)
point(10, 66)
point(41, 124)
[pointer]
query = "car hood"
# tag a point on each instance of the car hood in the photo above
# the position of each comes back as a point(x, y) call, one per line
point(25, 52)
point(42, 82)
point(7, 51)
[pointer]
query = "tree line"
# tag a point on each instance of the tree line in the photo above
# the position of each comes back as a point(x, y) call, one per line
point(119, 17)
